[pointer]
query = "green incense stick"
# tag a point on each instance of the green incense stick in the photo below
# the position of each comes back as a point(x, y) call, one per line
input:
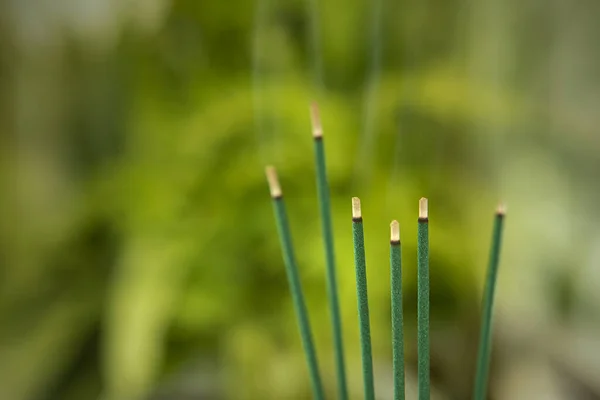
point(294, 281)
point(483, 359)
point(397, 317)
point(423, 300)
point(327, 228)
point(363, 299)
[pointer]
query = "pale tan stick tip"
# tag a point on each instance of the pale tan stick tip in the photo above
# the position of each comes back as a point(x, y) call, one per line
point(317, 129)
point(274, 185)
point(423, 208)
point(395, 231)
point(501, 210)
point(356, 213)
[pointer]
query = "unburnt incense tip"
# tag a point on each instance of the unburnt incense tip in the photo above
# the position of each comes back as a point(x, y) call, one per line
point(395, 231)
point(356, 213)
point(315, 118)
point(423, 208)
point(501, 210)
point(274, 186)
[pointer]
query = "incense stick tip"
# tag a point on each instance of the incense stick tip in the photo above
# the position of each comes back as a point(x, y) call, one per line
point(395, 231)
point(501, 210)
point(423, 208)
point(274, 186)
point(356, 212)
point(315, 118)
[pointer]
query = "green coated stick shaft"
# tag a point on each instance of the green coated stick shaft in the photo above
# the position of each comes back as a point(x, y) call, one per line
point(423, 301)
point(483, 358)
point(363, 300)
point(328, 243)
point(397, 315)
point(293, 277)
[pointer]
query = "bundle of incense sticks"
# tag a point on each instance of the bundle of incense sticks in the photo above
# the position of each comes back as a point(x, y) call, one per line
point(397, 335)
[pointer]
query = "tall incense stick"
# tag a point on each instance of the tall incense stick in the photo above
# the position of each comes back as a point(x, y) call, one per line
point(483, 359)
point(423, 300)
point(363, 299)
point(291, 268)
point(397, 317)
point(327, 228)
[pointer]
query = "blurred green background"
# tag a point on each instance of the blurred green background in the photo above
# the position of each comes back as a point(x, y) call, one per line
point(138, 250)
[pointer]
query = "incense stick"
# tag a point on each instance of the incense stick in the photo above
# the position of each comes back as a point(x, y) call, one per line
point(423, 300)
point(327, 228)
point(363, 299)
point(291, 268)
point(483, 359)
point(397, 317)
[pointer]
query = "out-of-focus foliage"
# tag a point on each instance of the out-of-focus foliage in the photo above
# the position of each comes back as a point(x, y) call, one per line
point(138, 252)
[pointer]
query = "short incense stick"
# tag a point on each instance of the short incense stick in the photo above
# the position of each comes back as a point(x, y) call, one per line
point(291, 267)
point(483, 359)
point(327, 228)
point(397, 317)
point(423, 300)
point(363, 302)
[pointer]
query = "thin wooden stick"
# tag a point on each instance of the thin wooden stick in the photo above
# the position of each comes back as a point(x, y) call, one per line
point(397, 315)
point(483, 359)
point(328, 244)
point(291, 268)
point(423, 300)
point(363, 299)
